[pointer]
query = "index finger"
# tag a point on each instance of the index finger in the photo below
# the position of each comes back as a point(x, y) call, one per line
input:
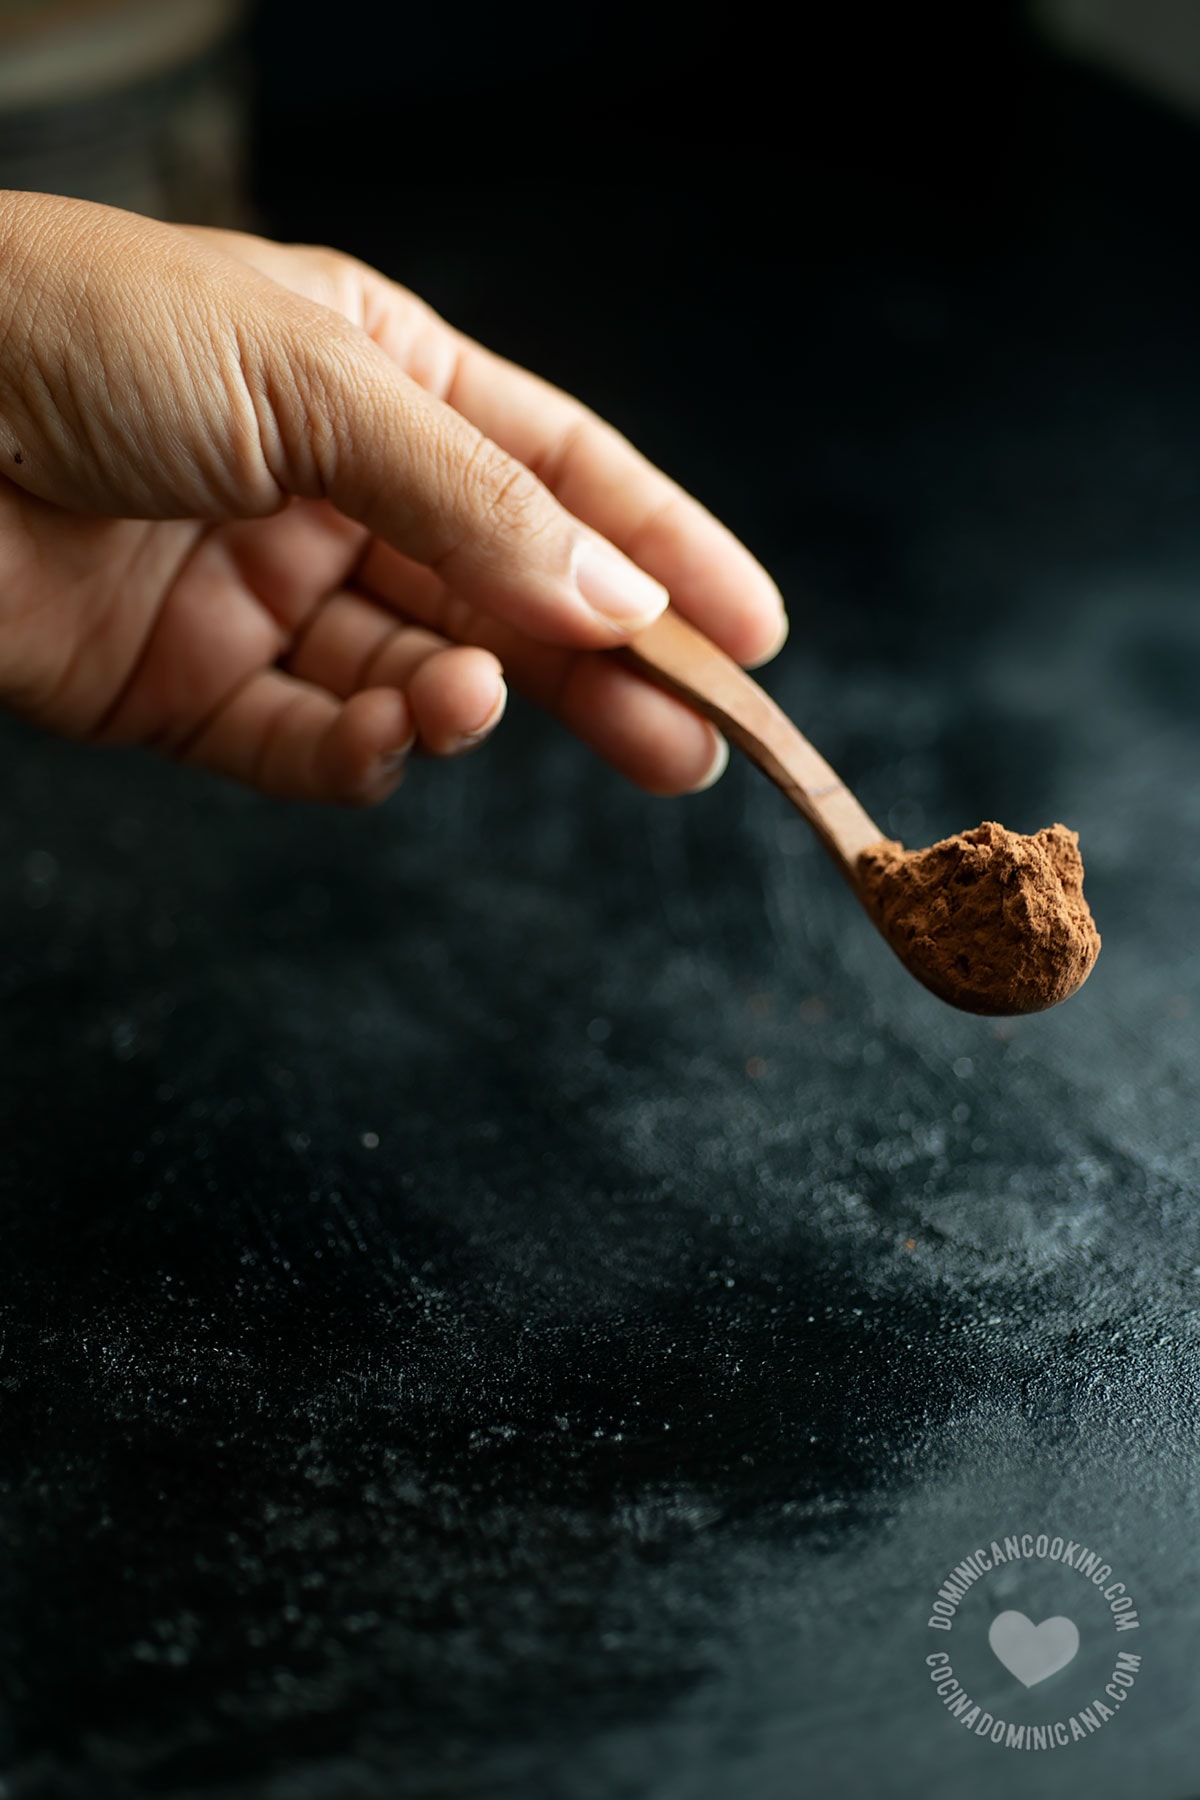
point(592, 471)
point(598, 475)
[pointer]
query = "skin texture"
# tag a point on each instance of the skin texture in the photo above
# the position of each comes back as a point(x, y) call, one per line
point(263, 510)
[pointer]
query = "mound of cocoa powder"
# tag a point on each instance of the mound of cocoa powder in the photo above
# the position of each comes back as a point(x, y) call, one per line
point(990, 920)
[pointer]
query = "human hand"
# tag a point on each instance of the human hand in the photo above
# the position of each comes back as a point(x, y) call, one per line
point(263, 510)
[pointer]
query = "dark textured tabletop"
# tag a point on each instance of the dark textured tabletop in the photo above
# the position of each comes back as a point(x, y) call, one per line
point(519, 1293)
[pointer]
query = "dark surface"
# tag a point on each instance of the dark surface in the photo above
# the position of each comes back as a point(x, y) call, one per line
point(606, 1427)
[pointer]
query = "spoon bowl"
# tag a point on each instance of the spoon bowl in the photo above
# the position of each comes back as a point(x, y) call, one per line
point(991, 922)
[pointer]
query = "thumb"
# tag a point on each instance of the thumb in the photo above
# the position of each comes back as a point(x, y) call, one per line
point(356, 429)
point(145, 374)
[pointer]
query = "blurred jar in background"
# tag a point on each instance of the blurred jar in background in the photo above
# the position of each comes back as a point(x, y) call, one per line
point(138, 103)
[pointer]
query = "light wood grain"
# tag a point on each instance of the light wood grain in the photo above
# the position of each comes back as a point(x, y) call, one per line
point(685, 662)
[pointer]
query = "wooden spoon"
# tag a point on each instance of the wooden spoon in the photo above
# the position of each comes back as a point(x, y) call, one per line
point(685, 662)
point(1022, 965)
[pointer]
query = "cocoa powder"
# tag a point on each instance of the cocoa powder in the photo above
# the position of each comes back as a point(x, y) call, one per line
point(990, 920)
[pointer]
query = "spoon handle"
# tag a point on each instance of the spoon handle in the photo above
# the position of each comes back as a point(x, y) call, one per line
point(682, 660)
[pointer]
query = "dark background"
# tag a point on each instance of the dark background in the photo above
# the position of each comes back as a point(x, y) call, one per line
point(519, 1292)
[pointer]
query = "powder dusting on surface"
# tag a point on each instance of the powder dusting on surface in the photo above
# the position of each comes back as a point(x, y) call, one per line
point(990, 920)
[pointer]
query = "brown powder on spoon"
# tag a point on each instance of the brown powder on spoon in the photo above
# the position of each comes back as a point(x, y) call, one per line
point(990, 920)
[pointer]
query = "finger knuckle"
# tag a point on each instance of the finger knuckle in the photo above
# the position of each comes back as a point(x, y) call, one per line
point(319, 272)
point(510, 498)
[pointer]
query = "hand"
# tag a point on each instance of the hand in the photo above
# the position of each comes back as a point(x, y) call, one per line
point(263, 510)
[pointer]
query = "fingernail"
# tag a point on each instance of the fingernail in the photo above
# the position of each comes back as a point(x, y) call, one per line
point(716, 767)
point(395, 760)
point(489, 725)
point(615, 588)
